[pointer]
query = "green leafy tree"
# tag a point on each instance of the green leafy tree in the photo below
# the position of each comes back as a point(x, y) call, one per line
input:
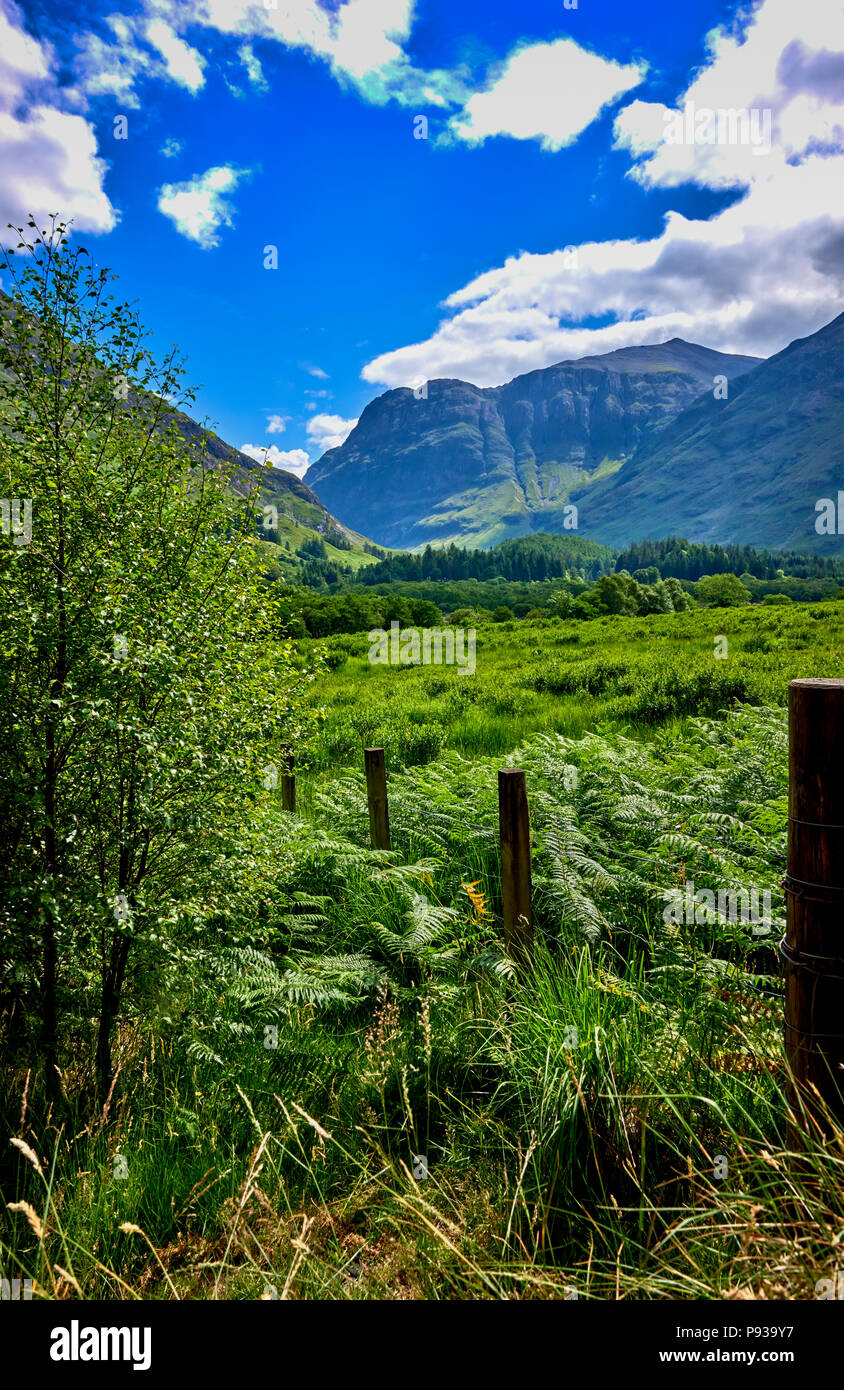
point(680, 600)
point(561, 603)
point(141, 691)
point(617, 593)
point(654, 598)
point(721, 591)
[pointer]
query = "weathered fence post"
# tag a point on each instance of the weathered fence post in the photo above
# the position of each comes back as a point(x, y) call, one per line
point(376, 792)
point(514, 833)
point(288, 786)
point(813, 946)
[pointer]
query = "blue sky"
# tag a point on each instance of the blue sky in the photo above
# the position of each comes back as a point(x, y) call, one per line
point(294, 126)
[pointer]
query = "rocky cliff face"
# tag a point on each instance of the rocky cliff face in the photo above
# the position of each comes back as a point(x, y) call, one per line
point(479, 465)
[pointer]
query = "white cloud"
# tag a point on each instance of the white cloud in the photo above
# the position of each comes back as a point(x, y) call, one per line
point(548, 92)
point(252, 64)
point(184, 65)
point(361, 40)
point(314, 398)
point(22, 58)
point(314, 371)
point(788, 64)
point(329, 431)
point(199, 207)
point(48, 156)
point(138, 48)
point(545, 91)
point(640, 126)
point(291, 460)
point(276, 424)
point(765, 270)
point(171, 147)
point(107, 68)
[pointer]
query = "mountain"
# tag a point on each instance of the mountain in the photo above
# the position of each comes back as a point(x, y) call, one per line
point(300, 517)
point(477, 465)
point(748, 469)
point(289, 493)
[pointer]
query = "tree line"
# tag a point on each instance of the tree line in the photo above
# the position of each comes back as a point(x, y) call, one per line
point(544, 557)
point(525, 559)
point(678, 558)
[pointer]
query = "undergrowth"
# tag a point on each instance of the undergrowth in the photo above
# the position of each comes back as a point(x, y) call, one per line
point(371, 1101)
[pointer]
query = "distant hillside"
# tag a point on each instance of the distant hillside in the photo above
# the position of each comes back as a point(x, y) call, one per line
point(305, 535)
point(476, 466)
point(746, 469)
point(302, 518)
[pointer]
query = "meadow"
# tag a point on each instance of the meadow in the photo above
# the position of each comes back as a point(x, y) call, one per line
point(362, 1097)
point(547, 675)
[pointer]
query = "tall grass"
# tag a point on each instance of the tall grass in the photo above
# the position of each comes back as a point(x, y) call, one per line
point(610, 1122)
point(568, 678)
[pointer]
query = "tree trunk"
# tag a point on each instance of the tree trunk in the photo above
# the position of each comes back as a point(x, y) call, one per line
point(49, 1014)
point(109, 1009)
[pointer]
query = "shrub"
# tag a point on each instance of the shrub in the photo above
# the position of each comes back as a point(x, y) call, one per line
point(721, 591)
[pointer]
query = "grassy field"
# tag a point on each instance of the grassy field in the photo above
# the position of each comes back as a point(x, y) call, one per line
point(569, 677)
point(367, 1100)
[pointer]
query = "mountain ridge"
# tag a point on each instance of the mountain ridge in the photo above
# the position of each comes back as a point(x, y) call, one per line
point(299, 511)
point(474, 465)
point(760, 459)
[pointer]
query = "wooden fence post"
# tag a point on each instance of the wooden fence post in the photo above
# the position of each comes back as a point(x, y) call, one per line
point(376, 792)
point(514, 833)
point(813, 946)
point(288, 786)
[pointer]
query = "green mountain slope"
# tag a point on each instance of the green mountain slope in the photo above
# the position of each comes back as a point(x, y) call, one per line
point(748, 469)
point(299, 519)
